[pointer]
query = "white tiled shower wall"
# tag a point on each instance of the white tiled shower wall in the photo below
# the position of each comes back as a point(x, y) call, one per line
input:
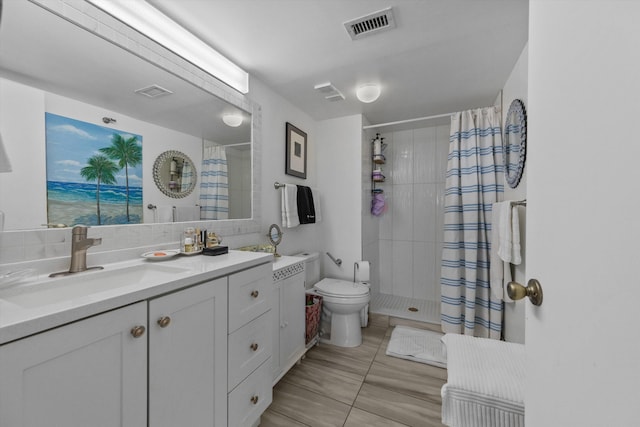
point(411, 231)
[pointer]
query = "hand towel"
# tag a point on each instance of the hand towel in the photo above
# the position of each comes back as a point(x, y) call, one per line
point(289, 206)
point(509, 228)
point(316, 204)
point(164, 214)
point(186, 213)
point(306, 208)
point(499, 271)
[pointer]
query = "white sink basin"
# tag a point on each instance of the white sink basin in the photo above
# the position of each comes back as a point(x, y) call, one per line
point(80, 285)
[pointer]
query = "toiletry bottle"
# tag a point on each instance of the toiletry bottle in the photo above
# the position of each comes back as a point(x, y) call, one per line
point(188, 244)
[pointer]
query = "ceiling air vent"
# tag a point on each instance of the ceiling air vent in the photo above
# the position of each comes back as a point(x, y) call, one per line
point(153, 91)
point(329, 91)
point(371, 24)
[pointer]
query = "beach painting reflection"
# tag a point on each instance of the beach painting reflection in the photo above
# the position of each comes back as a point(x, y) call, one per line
point(94, 173)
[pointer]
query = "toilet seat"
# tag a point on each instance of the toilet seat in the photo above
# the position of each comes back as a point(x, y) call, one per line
point(341, 288)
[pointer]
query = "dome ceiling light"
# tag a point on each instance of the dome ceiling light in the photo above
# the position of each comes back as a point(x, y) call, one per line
point(232, 119)
point(368, 93)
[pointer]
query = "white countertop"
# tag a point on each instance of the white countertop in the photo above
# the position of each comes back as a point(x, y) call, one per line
point(18, 321)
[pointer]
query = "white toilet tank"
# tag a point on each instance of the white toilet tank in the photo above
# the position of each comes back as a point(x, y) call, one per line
point(311, 268)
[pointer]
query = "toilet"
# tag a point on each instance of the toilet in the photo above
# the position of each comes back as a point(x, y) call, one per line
point(344, 304)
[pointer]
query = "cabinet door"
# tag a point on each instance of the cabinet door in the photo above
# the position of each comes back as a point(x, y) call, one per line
point(88, 373)
point(276, 321)
point(188, 357)
point(292, 311)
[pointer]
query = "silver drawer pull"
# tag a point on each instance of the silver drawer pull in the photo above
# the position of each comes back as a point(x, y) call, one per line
point(254, 346)
point(164, 321)
point(138, 331)
point(255, 294)
point(254, 400)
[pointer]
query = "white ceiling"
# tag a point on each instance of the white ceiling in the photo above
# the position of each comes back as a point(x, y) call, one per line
point(443, 55)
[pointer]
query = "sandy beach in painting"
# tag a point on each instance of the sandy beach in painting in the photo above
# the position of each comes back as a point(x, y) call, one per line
point(60, 212)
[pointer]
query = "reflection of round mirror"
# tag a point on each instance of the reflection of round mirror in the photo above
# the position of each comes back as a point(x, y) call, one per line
point(514, 142)
point(174, 174)
point(275, 234)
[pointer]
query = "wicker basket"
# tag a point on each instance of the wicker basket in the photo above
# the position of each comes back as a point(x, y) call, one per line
point(312, 313)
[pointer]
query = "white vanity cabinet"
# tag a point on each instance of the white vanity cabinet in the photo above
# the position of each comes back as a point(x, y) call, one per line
point(92, 372)
point(249, 374)
point(288, 318)
point(198, 354)
point(188, 357)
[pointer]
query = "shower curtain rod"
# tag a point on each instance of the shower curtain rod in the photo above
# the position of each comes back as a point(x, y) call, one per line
point(399, 122)
point(236, 145)
point(418, 119)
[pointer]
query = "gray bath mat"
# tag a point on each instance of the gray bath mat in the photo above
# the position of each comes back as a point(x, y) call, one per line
point(418, 345)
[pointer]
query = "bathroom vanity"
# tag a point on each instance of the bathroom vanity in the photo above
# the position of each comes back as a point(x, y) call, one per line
point(185, 342)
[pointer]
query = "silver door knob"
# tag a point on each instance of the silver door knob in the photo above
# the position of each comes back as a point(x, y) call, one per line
point(533, 290)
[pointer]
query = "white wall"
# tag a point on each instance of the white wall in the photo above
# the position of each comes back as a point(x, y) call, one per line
point(516, 88)
point(276, 112)
point(339, 155)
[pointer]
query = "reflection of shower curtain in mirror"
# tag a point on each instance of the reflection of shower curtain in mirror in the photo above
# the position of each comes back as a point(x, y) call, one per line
point(214, 184)
point(186, 176)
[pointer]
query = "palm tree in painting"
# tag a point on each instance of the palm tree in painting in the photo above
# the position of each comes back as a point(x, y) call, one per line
point(102, 170)
point(127, 152)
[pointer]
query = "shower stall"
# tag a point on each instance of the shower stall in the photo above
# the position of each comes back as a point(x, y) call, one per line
point(404, 243)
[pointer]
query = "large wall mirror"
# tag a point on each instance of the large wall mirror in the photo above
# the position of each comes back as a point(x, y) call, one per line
point(51, 66)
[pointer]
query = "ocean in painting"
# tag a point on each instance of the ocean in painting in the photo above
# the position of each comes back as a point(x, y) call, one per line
point(75, 203)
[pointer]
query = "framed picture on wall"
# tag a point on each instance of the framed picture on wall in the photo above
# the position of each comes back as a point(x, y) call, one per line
point(296, 153)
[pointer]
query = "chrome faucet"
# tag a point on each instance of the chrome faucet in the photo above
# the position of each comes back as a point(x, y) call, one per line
point(79, 245)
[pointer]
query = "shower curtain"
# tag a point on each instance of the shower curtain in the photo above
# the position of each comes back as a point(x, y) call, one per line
point(471, 187)
point(214, 184)
point(186, 176)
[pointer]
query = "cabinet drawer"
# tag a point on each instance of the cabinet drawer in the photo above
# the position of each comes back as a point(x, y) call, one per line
point(249, 295)
point(251, 397)
point(249, 347)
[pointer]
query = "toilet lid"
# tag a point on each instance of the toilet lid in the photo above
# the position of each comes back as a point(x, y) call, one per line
point(341, 288)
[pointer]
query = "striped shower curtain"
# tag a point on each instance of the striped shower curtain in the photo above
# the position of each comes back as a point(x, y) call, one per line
point(214, 184)
point(186, 177)
point(473, 184)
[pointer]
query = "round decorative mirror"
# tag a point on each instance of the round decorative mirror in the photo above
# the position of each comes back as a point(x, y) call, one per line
point(174, 174)
point(514, 142)
point(275, 237)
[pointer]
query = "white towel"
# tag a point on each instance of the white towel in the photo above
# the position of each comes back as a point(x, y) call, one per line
point(186, 213)
point(509, 229)
point(164, 214)
point(316, 204)
point(500, 271)
point(290, 206)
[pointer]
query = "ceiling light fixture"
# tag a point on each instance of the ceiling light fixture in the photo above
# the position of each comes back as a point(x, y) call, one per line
point(232, 119)
point(159, 27)
point(368, 93)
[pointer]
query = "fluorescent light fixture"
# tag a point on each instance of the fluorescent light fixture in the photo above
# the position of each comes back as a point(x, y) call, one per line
point(148, 20)
point(368, 93)
point(232, 119)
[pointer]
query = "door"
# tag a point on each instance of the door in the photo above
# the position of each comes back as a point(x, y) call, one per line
point(583, 214)
point(188, 357)
point(89, 373)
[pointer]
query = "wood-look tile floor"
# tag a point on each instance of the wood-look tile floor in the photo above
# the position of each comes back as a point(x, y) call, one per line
point(354, 387)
